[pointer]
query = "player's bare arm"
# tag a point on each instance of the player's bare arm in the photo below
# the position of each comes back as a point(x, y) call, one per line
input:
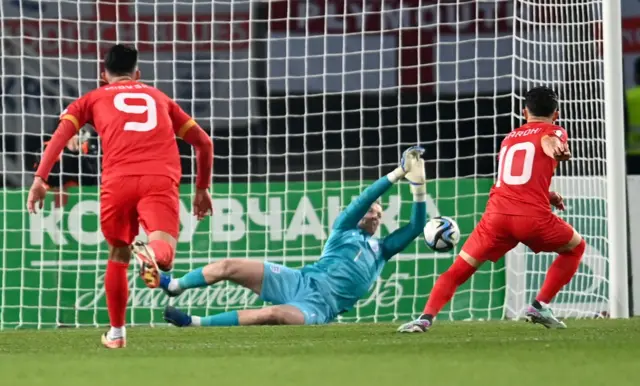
point(555, 148)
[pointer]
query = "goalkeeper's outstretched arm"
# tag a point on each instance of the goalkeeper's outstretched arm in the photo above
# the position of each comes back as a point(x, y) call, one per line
point(400, 238)
point(350, 217)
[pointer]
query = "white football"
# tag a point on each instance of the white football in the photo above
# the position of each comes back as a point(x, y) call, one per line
point(441, 233)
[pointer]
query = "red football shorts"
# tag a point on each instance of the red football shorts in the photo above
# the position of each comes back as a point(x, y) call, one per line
point(129, 201)
point(497, 234)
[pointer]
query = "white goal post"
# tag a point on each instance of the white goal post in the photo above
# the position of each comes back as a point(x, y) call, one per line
point(616, 170)
point(308, 102)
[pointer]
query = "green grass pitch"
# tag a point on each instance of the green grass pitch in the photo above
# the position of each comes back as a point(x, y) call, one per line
point(589, 353)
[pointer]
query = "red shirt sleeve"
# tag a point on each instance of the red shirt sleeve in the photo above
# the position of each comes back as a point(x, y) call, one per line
point(65, 131)
point(199, 139)
point(558, 132)
point(182, 122)
point(71, 120)
point(77, 113)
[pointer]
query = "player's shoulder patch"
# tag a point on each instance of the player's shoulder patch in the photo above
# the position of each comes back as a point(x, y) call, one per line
point(559, 132)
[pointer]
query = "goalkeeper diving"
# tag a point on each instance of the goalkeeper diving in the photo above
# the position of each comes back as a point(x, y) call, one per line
point(351, 261)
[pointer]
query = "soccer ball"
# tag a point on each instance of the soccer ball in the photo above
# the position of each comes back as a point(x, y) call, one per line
point(441, 234)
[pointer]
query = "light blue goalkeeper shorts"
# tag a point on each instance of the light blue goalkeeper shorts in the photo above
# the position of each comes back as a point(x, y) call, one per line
point(282, 285)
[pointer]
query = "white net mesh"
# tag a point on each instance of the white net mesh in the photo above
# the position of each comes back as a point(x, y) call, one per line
point(307, 103)
point(560, 44)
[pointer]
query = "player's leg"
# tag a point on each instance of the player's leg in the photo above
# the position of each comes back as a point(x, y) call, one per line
point(488, 241)
point(273, 315)
point(116, 286)
point(563, 268)
point(118, 221)
point(463, 267)
point(158, 209)
point(244, 272)
point(154, 256)
point(555, 235)
point(284, 287)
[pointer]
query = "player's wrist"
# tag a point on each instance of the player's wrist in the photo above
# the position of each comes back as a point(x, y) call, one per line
point(419, 192)
point(396, 175)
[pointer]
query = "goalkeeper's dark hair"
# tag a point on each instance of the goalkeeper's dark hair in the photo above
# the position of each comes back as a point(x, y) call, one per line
point(121, 60)
point(541, 101)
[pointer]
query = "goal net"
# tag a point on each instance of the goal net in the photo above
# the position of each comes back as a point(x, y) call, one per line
point(307, 103)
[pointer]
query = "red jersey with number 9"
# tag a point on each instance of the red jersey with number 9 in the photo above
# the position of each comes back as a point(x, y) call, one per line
point(138, 125)
point(525, 172)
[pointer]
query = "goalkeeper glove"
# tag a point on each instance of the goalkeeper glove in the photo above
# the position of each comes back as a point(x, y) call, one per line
point(409, 167)
point(412, 168)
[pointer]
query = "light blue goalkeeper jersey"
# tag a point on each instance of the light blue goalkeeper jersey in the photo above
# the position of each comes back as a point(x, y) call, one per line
point(352, 259)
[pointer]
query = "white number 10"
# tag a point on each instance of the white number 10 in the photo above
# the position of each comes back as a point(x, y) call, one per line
point(505, 164)
point(119, 101)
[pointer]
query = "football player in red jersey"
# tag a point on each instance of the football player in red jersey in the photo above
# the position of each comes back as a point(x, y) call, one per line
point(519, 211)
point(141, 173)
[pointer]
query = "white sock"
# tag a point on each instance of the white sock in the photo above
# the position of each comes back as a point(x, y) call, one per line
point(174, 286)
point(117, 332)
point(195, 321)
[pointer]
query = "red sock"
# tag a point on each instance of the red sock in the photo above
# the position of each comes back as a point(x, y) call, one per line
point(447, 284)
point(560, 273)
point(116, 286)
point(164, 254)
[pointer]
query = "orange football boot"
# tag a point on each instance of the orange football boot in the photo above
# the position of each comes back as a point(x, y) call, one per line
point(113, 343)
point(149, 271)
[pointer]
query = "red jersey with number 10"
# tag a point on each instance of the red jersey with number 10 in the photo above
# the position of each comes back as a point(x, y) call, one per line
point(138, 125)
point(525, 172)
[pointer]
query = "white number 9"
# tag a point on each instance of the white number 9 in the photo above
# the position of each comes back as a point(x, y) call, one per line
point(119, 101)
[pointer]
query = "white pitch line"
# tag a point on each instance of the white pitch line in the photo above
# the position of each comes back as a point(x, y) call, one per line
point(205, 260)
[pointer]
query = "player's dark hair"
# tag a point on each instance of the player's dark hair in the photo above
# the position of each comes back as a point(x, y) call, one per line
point(121, 60)
point(541, 101)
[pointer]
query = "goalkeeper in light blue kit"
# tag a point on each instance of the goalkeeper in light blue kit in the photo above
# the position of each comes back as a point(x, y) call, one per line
point(351, 262)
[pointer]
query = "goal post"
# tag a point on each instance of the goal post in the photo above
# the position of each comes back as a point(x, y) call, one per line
point(616, 165)
point(308, 102)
